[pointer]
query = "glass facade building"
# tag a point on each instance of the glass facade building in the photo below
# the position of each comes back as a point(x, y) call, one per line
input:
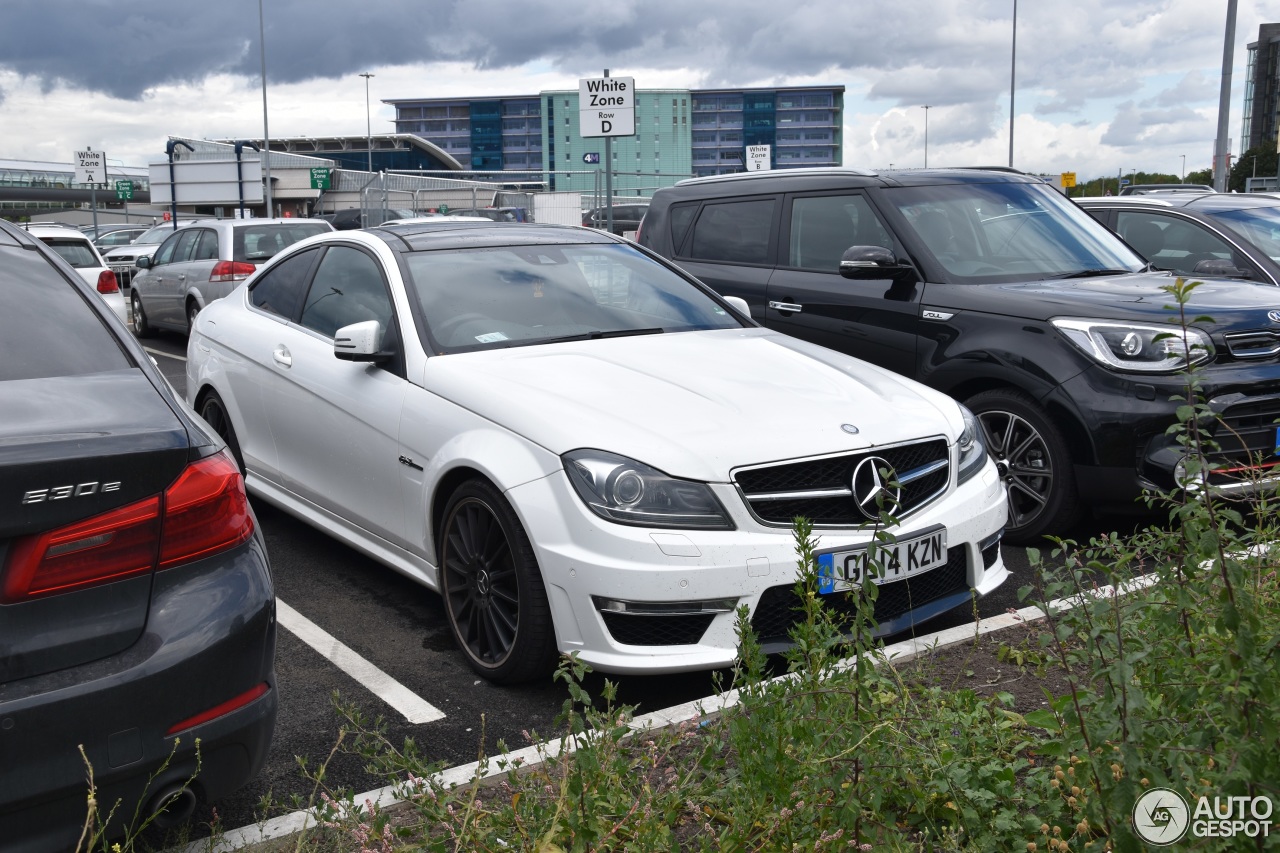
point(1261, 120)
point(679, 133)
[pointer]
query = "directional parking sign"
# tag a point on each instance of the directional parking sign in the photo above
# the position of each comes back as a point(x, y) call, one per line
point(607, 106)
point(124, 190)
point(758, 159)
point(91, 167)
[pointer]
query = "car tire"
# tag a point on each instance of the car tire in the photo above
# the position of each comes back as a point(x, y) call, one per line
point(493, 593)
point(140, 326)
point(1034, 461)
point(193, 308)
point(214, 412)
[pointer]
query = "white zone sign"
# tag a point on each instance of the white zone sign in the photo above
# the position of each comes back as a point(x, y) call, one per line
point(91, 167)
point(758, 158)
point(607, 106)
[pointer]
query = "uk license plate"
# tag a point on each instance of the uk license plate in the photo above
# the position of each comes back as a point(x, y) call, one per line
point(915, 554)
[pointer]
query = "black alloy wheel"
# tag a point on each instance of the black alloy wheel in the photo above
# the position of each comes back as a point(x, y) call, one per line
point(492, 587)
point(141, 327)
point(214, 412)
point(1034, 462)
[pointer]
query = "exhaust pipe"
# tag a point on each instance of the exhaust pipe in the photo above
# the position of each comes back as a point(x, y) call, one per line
point(172, 806)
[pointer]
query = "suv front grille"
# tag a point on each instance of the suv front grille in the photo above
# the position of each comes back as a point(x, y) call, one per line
point(1247, 438)
point(1259, 343)
point(822, 489)
point(779, 609)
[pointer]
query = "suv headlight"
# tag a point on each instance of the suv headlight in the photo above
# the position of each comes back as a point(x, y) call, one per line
point(973, 447)
point(1134, 346)
point(629, 492)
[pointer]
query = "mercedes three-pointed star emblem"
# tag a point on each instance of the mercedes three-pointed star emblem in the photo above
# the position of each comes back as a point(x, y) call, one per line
point(875, 492)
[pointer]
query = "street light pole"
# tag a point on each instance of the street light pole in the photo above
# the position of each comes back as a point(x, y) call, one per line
point(368, 128)
point(1013, 69)
point(1184, 168)
point(266, 133)
point(926, 108)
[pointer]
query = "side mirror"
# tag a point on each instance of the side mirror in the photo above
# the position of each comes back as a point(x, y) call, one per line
point(359, 342)
point(143, 263)
point(1219, 268)
point(870, 262)
point(739, 304)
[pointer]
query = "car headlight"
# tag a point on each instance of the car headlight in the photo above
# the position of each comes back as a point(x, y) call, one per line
point(973, 447)
point(1133, 346)
point(628, 492)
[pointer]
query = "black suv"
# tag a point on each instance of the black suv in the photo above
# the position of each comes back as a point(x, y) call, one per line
point(994, 288)
point(137, 616)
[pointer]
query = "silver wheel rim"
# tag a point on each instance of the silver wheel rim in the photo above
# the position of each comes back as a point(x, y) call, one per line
point(137, 314)
point(1024, 462)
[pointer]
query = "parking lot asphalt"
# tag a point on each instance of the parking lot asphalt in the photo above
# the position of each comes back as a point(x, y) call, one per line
point(353, 629)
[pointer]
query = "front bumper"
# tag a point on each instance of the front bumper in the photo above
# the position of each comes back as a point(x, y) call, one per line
point(1127, 418)
point(210, 637)
point(586, 561)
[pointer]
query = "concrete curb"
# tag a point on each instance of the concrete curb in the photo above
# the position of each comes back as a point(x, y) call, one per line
point(286, 825)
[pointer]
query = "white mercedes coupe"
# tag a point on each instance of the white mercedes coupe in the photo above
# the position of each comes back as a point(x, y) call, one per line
point(582, 448)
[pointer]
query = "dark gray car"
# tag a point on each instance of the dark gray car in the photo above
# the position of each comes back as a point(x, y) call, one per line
point(1223, 235)
point(137, 612)
point(203, 262)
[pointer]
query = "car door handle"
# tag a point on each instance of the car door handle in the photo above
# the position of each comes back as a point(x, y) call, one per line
point(282, 356)
point(786, 306)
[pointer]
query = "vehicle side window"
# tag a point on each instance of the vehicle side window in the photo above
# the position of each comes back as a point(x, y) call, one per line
point(681, 216)
point(347, 288)
point(736, 231)
point(1169, 242)
point(186, 247)
point(280, 289)
point(207, 248)
point(822, 228)
point(165, 253)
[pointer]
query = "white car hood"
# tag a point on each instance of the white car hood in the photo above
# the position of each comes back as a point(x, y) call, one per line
point(693, 404)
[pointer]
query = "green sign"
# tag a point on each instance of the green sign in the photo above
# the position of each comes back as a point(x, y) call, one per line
point(320, 178)
point(124, 190)
point(444, 208)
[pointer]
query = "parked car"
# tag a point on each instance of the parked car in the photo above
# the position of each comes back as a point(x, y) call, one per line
point(992, 287)
point(435, 217)
point(626, 217)
point(123, 259)
point(355, 217)
point(580, 447)
point(204, 262)
point(1223, 235)
point(75, 249)
point(119, 236)
point(136, 604)
point(1144, 189)
point(93, 232)
point(496, 214)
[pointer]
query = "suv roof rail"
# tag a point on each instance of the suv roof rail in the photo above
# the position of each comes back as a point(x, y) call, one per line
point(811, 170)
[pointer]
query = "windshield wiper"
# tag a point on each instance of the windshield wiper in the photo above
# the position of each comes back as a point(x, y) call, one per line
point(1092, 273)
point(591, 336)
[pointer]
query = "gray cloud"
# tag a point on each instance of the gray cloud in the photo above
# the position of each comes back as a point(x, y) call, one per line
point(955, 55)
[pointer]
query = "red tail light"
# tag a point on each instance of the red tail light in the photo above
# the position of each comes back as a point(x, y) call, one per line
point(107, 282)
point(231, 271)
point(203, 512)
point(639, 228)
point(245, 698)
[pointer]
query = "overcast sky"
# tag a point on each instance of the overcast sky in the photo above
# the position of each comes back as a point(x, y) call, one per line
point(1102, 85)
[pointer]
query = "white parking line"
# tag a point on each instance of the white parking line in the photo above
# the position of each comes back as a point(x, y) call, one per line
point(165, 354)
point(386, 688)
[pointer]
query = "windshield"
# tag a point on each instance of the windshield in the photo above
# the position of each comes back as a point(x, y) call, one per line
point(477, 299)
point(1259, 225)
point(1003, 232)
point(155, 235)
